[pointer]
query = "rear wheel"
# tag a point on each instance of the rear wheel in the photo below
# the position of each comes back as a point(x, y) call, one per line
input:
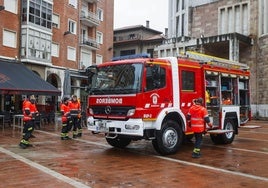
point(168, 139)
point(118, 142)
point(226, 138)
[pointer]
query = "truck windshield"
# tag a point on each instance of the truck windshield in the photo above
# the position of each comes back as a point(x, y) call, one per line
point(114, 79)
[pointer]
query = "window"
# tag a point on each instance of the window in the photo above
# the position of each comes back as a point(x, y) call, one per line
point(234, 19)
point(127, 52)
point(55, 50)
point(151, 52)
point(72, 26)
point(188, 79)
point(38, 43)
point(181, 20)
point(73, 3)
point(86, 59)
point(11, 6)
point(99, 59)
point(155, 77)
point(9, 39)
point(40, 13)
point(71, 53)
point(99, 37)
point(263, 17)
point(56, 21)
point(100, 14)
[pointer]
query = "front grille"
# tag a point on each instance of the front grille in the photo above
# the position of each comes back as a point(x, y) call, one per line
point(115, 110)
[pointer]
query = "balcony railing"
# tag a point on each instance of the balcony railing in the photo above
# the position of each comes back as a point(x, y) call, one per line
point(90, 42)
point(129, 37)
point(89, 18)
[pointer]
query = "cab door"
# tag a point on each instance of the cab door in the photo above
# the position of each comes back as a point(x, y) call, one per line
point(157, 88)
point(191, 84)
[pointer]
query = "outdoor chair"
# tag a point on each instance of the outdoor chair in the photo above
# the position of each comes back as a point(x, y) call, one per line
point(7, 118)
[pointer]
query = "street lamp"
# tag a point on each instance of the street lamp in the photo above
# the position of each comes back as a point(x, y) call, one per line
point(2, 7)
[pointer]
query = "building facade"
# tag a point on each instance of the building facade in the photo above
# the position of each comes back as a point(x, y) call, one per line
point(51, 36)
point(236, 30)
point(136, 40)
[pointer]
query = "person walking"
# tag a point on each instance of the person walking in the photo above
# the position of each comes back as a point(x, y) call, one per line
point(75, 111)
point(29, 113)
point(198, 116)
point(65, 118)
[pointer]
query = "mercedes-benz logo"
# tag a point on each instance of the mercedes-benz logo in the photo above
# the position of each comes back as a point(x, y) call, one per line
point(108, 110)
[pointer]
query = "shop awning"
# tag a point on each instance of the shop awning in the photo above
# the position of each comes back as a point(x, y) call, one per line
point(16, 78)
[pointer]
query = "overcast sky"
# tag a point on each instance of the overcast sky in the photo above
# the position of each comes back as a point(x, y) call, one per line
point(136, 12)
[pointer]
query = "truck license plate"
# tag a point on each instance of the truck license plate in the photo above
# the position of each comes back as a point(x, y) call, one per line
point(100, 125)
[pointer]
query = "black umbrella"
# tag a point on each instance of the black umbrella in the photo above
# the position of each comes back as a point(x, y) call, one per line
point(67, 84)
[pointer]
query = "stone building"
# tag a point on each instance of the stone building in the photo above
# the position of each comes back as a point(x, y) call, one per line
point(236, 30)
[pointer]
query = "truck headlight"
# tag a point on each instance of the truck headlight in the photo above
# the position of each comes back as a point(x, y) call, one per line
point(131, 112)
point(132, 127)
point(90, 111)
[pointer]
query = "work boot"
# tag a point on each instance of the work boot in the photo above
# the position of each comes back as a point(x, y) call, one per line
point(23, 146)
point(75, 136)
point(65, 138)
point(196, 155)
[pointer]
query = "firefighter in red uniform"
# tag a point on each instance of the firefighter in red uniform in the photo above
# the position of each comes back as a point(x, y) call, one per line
point(75, 111)
point(198, 116)
point(29, 113)
point(65, 118)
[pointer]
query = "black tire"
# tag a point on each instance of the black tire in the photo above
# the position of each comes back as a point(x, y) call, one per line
point(168, 139)
point(226, 138)
point(118, 142)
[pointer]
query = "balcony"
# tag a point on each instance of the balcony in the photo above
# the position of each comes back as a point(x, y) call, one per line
point(89, 19)
point(129, 37)
point(89, 43)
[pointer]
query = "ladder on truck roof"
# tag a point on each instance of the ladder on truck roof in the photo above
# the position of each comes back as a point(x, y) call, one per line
point(216, 60)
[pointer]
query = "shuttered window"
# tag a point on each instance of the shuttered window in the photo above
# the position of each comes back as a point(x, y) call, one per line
point(9, 39)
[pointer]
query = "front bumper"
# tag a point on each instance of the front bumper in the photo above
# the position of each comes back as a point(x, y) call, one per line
point(133, 127)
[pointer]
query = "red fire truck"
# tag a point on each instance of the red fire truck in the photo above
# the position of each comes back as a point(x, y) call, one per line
point(147, 98)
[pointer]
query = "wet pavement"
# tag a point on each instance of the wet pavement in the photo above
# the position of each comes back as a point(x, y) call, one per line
point(91, 162)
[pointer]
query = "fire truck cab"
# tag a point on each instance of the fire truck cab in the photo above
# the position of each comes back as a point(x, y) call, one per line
point(146, 98)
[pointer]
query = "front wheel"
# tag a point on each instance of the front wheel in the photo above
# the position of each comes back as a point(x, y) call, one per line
point(168, 139)
point(226, 138)
point(118, 142)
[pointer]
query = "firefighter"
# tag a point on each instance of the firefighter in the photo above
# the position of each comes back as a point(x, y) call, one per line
point(65, 118)
point(198, 116)
point(29, 113)
point(75, 111)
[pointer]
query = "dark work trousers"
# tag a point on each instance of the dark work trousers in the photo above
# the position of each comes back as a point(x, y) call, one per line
point(79, 127)
point(65, 129)
point(75, 122)
point(198, 140)
point(28, 127)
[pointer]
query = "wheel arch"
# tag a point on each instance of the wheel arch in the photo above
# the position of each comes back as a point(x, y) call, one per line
point(232, 116)
point(171, 114)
